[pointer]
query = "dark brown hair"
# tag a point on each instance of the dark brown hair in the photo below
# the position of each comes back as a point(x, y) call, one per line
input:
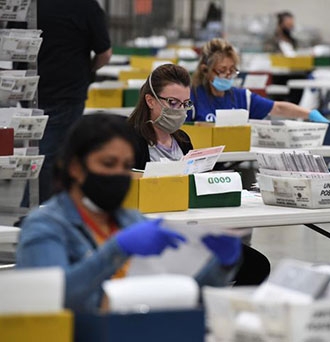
point(161, 77)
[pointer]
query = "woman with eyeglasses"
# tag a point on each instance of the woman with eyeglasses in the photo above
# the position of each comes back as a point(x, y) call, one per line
point(213, 88)
point(160, 112)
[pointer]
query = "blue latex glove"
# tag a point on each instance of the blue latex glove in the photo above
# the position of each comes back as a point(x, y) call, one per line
point(226, 248)
point(316, 116)
point(148, 238)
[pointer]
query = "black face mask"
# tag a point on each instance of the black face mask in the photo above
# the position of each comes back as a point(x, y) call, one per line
point(286, 32)
point(106, 192)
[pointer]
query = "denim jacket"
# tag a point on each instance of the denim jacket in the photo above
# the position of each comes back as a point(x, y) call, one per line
point(55, 235)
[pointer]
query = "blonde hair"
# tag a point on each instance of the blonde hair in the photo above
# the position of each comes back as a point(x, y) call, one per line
point(214, 50)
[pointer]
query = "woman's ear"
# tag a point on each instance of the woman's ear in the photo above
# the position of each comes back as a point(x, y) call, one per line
point(149, 100)
point(76, 171)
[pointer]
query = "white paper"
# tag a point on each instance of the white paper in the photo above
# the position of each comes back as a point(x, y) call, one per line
point(15, 85)
point(189, 258)
point(287, 133)
point(14, 10)
point(26, 151)
point(201, 160)
point(255, 81)
point(28, 166)
point(31, 290)
point(28, 123)
point(293, 281)
point(231, 117)
point(23, 167)
point(156, 292)
point(19, 45)
point(29, 127)
point(158, 169)
point(217, 183)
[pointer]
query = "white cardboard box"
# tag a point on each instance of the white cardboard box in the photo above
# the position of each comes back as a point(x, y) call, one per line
point(287, 133)
point(234, 317)
point(294, 192)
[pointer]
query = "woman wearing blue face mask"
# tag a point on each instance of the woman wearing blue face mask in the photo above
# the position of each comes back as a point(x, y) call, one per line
point(212, 88)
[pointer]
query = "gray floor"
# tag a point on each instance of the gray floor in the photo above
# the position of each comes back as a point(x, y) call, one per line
point(276, 243)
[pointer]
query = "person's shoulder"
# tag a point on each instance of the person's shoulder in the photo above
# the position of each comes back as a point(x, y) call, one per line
point(183, 134)
point(199, 90)
point(138, 139)
point(240, 91)
point(89, 3)
point(53, 212)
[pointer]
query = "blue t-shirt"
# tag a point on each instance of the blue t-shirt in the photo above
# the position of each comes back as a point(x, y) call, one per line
point(235, 98)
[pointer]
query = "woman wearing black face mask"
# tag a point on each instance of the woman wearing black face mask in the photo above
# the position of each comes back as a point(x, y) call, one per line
point(285, 42)
point(160, 112)
point(83, 228)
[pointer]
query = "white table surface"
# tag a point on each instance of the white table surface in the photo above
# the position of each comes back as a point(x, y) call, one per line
point(9, 234)
point(251, 213)
point(314, 83)
point(323, 151)
point(113, 70)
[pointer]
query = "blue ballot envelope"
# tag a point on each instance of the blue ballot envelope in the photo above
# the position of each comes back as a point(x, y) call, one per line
point(160, 326)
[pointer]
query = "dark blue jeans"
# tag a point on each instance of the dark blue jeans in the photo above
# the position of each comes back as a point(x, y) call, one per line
point(61, 118)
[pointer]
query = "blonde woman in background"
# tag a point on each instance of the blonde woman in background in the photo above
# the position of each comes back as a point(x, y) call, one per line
point(213, 88)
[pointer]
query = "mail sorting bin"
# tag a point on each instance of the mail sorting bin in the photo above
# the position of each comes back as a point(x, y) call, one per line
point(160, 326)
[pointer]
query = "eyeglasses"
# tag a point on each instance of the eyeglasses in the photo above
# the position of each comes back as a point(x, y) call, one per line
point(176, 103)
point(226, 73)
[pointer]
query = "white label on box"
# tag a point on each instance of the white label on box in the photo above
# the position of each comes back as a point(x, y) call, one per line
point(217, 183)
point(231, 117)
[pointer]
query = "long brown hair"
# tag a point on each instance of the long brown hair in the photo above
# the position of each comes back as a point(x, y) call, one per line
point(161, 77)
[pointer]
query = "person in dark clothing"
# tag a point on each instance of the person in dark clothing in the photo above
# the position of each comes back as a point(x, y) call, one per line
point(161, 110)
point(284, 40)
point(71, 31)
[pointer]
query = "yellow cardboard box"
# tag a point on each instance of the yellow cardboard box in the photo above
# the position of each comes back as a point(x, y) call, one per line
point(200, 135)
point(235, 138)
point(294, 63)
point(125, 75)
point(104, 98)
point(148, 62)
point(52, 327)
point(158, 194)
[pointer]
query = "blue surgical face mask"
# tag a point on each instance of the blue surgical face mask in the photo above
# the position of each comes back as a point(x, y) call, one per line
point(222, 84)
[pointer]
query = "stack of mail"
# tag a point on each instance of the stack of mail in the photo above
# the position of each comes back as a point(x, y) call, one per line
point(294, 179)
